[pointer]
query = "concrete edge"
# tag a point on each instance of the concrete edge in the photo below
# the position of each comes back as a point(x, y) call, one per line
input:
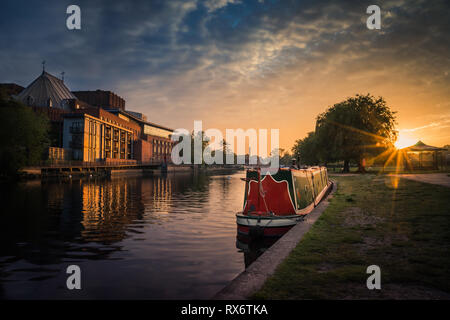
point(253, 278)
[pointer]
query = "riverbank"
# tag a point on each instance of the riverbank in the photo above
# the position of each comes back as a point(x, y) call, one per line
point(73, 172)
point(402, 226)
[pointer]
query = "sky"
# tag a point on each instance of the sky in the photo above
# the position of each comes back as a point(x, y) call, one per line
point(262, 64)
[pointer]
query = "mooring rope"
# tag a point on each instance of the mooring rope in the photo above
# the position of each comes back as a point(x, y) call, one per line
point(262, 192)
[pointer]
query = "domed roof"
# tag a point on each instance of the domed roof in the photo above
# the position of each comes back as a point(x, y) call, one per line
point(46, 91)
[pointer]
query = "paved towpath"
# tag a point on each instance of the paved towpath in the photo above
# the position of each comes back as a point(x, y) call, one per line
point(442, 179)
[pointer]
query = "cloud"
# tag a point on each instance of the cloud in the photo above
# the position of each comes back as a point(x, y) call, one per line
point(214, 5)
point(180, 60)
point(439, 125)
point(443, 121)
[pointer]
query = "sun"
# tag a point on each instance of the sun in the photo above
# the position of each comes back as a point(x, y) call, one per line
point(404, 141)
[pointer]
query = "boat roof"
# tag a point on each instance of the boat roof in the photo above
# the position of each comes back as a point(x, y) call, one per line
point(315, 168)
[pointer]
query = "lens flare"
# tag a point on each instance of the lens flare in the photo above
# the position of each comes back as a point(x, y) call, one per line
point(404, 141)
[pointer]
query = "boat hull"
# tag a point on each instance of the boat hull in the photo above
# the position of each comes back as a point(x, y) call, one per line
point(255, 226)
point(273, 204)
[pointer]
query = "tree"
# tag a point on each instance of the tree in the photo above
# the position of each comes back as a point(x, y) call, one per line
point(286, 159)
point(226, 149)
point(200, 135)
point(306, 150)
point(23, 137)
point(284, 156)
point(354, 129)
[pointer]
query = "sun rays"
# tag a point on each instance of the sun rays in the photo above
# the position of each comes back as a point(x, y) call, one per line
point(404, 141)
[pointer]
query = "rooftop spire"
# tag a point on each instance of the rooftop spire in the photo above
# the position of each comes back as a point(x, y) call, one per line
point(43, 66)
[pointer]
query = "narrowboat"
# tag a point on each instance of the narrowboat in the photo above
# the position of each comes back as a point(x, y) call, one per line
point(275, 202)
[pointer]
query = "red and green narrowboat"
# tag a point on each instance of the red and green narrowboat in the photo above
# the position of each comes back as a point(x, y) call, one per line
point(275, 202)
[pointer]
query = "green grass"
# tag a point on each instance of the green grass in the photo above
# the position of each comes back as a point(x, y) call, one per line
point(404, 230)
point(393, 169)
point(376, 169)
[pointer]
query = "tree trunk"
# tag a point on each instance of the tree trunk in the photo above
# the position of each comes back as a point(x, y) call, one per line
point(346, 166)
point(362, 165)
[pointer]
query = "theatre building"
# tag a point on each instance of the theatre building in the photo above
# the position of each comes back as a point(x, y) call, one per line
point(97, 135)
point(155, 143)
point(93, 126)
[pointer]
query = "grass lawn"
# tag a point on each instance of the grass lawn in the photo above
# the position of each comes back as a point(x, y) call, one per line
point(404, 230)
point(391, 169)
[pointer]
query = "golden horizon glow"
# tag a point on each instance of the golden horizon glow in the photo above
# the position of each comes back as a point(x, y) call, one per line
point(404, 141)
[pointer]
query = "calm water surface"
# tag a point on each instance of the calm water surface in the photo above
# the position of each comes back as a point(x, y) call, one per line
point(168, 237)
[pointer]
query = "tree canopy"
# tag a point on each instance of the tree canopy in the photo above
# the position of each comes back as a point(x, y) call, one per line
point(23, 136)
point(306, 150)
point(350, 130)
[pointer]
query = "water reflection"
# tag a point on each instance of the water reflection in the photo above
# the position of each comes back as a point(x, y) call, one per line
point(168, 237)
point(253, 248)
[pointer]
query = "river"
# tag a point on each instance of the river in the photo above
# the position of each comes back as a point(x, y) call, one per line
point(171, 237)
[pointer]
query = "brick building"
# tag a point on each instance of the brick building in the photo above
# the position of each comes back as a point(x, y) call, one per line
point(101, 99)
point(156, 144)
point(97, 135)
point(94, 125)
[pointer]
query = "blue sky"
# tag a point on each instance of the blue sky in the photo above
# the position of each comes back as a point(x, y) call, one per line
point(250, 64)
